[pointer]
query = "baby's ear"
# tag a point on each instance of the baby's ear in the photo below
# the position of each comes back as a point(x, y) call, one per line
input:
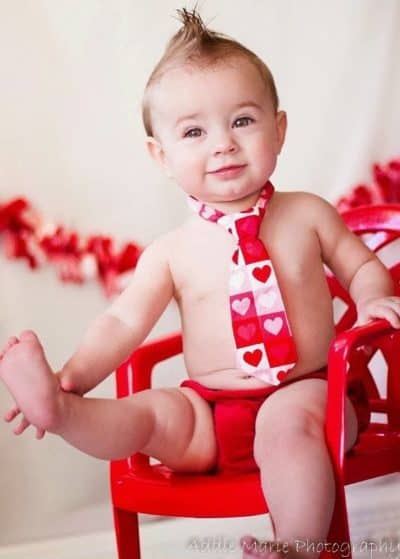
point(154, 148)
point(281, 127)
point(157, 153)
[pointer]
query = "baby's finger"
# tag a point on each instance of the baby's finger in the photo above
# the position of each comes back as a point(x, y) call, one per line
point(393, 303)
point(11, 414)
point(384, 311)
point(24, 424)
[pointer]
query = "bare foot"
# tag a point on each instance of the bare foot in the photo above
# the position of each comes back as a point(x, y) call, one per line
point(256, 549)
point(29, 379)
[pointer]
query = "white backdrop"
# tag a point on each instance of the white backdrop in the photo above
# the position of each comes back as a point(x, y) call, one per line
point(72, 75)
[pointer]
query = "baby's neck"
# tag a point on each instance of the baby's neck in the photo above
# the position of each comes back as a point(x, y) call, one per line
point(238, 205)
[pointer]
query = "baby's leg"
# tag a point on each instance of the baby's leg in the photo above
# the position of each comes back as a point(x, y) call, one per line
point(296, 471)
point(173, 425)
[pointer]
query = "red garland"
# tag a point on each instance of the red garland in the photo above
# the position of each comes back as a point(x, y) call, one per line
point(385, 190)
point(76, 259)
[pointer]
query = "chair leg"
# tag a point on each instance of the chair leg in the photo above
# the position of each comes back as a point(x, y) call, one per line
point(339, 535)
point(127, 534)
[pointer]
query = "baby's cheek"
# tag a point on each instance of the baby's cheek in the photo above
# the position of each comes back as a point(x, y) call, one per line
point(189, 180)
point(264, 159)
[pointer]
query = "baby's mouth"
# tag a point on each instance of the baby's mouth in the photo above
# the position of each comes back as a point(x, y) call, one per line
point(228, 170)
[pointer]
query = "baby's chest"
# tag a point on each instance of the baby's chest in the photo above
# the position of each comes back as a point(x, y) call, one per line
point(206, 270)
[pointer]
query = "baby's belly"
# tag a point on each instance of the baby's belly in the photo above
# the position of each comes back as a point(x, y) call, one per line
point(210, 352)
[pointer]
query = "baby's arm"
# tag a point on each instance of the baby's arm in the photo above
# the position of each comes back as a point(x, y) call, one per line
point(124, 325)
point(119, 330)
point(356, 267)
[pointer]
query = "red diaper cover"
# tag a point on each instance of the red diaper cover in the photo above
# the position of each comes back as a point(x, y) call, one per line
point(235, 413)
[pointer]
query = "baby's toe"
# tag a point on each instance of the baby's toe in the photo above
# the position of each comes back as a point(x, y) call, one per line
point(11, 414)
point(28, 336)
point(10, 342)
point(255, 549)
point(249, 546)
point(248, 541)
point(23, 425)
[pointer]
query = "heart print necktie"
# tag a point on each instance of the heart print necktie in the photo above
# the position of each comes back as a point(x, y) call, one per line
point(265, 346)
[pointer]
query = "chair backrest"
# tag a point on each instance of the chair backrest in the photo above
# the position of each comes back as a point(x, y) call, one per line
point(379, 228)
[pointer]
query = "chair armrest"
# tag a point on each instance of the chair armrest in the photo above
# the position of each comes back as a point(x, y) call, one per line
point(345, 350)
point(135, 373)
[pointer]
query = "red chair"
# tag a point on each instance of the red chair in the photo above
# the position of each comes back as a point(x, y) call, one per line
point(138, 487)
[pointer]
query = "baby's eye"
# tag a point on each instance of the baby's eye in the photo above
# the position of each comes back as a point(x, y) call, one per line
point(192, 133)
point(243, 121)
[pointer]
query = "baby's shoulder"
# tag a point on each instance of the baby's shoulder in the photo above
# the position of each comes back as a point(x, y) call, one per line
point(299, 197)
point(191, 227)
point(303, 205)
point(171, 241)
point(160, 247)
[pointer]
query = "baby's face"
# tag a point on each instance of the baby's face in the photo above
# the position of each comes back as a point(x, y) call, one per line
point(216, 132)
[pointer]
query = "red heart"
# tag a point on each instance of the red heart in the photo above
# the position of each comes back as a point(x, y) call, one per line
point(262, 274)
point(281, 375)
point(235, 256)
point(253, 357)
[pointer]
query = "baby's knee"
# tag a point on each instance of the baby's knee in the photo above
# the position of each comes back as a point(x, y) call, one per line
point(287, 431)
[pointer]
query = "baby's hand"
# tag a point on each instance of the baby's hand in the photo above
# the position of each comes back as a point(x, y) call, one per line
point(379, 307)
point(69, 384)
point(12, 413)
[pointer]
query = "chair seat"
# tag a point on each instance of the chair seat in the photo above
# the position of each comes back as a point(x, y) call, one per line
point(155, 489)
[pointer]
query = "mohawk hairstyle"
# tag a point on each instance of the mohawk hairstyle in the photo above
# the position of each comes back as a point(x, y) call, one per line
point(193, 27)
point(196, 45)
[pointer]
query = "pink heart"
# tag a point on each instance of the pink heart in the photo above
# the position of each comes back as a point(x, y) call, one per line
point(241, 306)
point(253, 248)
point(247, 332)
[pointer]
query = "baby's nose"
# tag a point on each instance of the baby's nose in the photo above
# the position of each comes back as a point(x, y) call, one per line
point(225, 146)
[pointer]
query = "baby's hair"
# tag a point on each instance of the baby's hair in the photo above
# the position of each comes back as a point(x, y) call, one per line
point(196, 45)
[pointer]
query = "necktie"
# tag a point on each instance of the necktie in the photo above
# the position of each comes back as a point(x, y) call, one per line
point(264, 343)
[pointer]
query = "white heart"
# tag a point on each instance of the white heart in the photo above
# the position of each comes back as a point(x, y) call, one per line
point(273, 325)
point(237, 279)
point(267, 299)
point(241, 306)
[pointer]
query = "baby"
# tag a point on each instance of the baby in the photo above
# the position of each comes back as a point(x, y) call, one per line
point(246, 270)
